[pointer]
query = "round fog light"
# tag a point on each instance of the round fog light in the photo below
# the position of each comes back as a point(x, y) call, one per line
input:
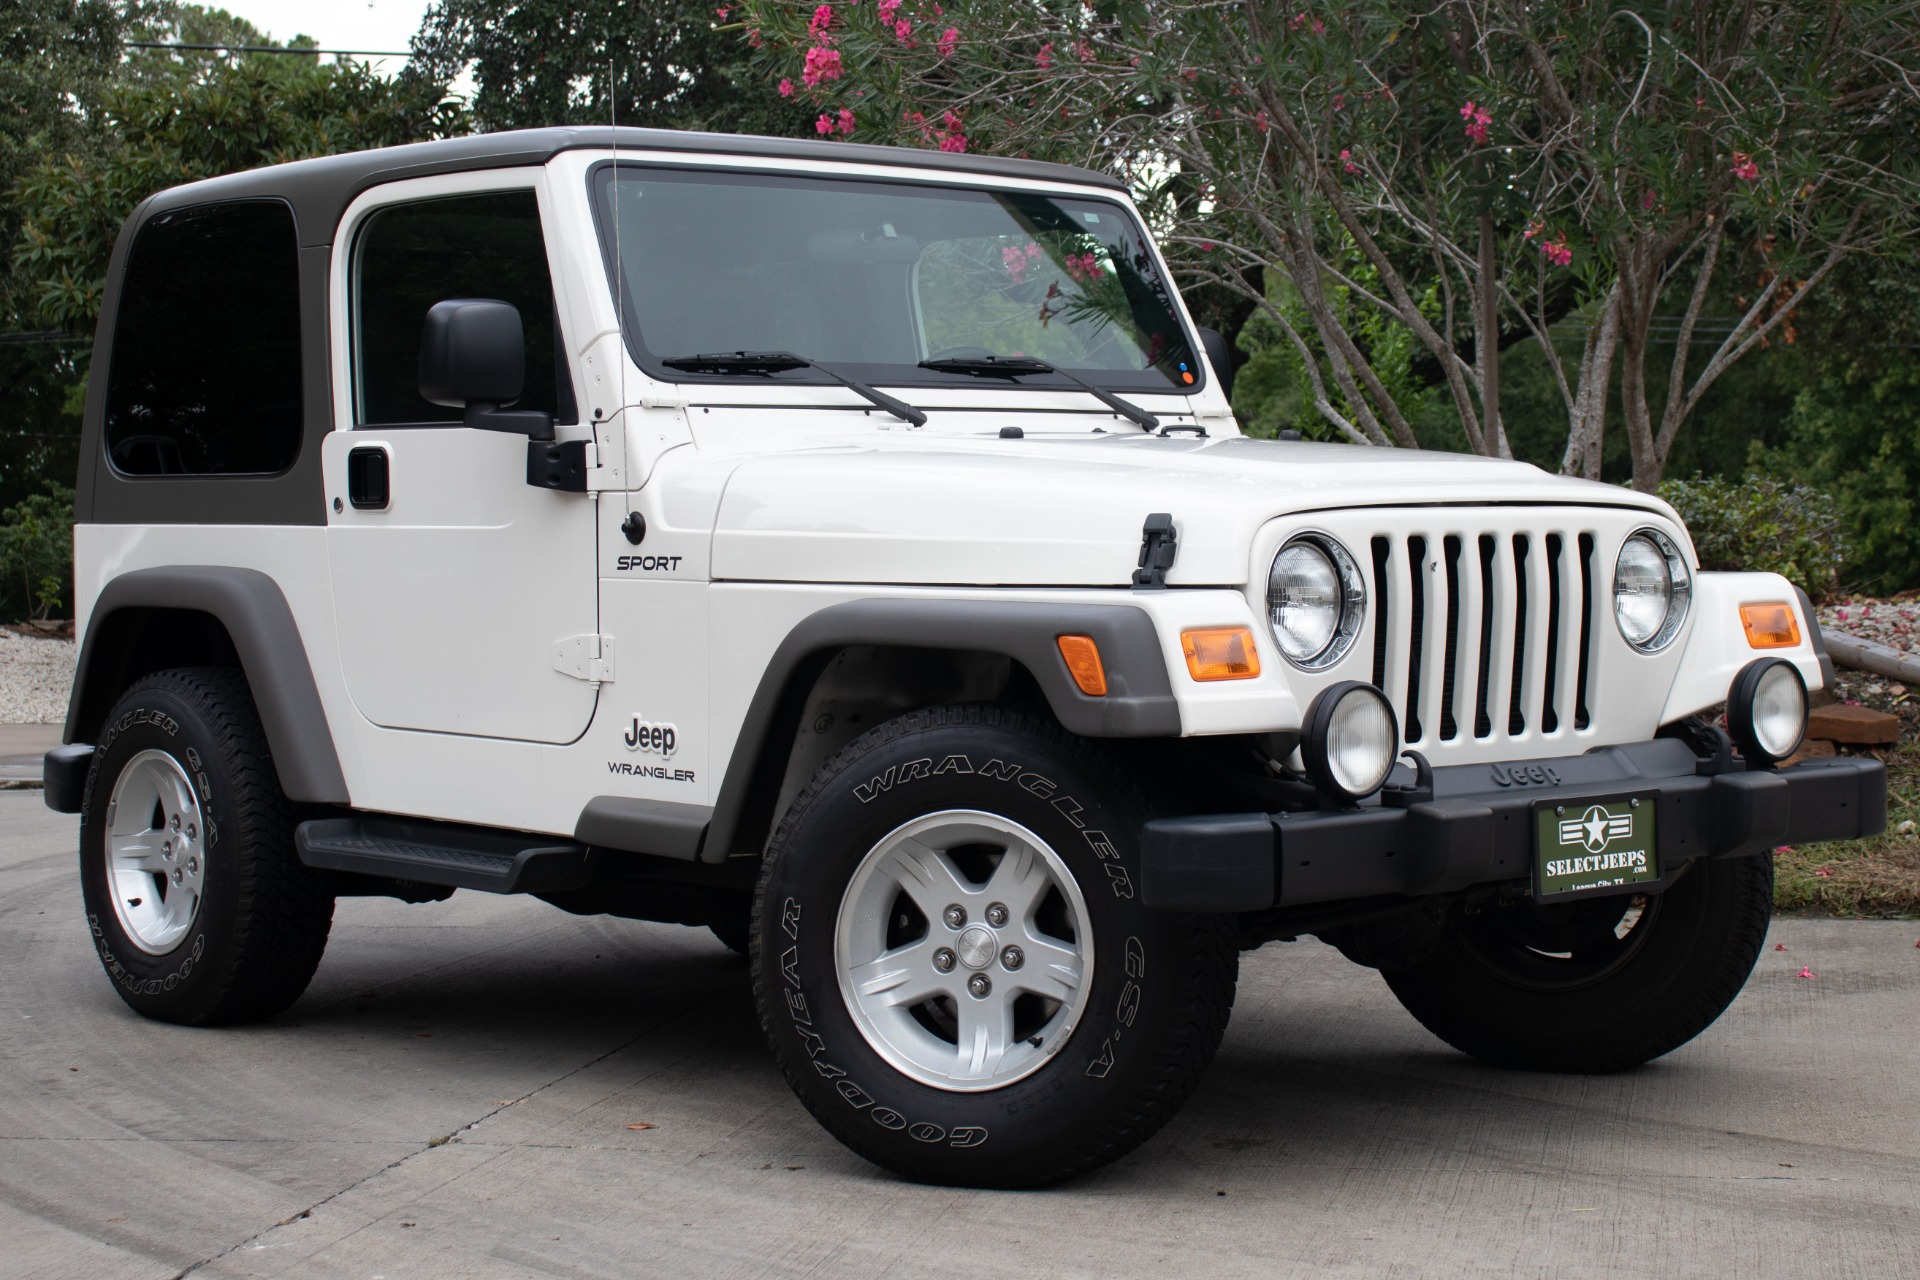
point(1767, 710)
point(1351, 740)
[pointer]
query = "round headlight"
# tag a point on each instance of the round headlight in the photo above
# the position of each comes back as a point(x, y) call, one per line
point(1316, 601)
point(1767, 710)
point(1651, 590)
point(1351, 740)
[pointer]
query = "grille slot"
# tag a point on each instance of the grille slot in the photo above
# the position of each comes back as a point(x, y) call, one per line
point(1485, 633)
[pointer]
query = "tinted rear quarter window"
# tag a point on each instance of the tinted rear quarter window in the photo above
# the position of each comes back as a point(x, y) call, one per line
point(410, 256)
point(205, 376)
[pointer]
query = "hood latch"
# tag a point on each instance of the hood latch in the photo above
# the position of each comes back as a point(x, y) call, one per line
point(1158, 546)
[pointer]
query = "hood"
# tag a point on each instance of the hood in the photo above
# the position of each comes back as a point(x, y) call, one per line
point(1065, 510)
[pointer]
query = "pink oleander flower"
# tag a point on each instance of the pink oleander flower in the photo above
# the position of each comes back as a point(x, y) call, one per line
point(1346, 162)
point(822, 19)
point(903, 31)
point(1300, 20)
point(948, 42)
point(955, 140)
point(887, 10)
point(1083, 267)
point(1477, 118)
point(1019, 259)
point(845, 120)
point(1206, 246)
point(1260, 121)
point(1744, 168)
point(1339, 102)
point(786, 88)
point(1558, 252)
point(823, 125)
point(1044, 58)
point(1084, 51)
point(722, 12)
point(823, 64)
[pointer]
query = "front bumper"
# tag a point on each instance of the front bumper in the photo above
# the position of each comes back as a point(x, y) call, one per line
point(1476, 828)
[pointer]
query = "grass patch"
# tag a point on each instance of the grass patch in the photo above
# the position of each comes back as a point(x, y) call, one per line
point(1875, 878)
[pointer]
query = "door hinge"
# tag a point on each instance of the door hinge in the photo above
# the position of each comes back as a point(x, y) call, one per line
point(588, 658)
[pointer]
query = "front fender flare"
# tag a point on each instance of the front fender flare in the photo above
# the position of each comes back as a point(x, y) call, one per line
point(1139, 702)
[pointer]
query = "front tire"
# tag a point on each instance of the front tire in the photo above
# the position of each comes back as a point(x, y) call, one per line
point(1595, 986)
point(952, 964)
point(201, 912)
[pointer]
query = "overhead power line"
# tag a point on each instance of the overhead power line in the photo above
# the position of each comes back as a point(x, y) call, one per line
point(270, 48)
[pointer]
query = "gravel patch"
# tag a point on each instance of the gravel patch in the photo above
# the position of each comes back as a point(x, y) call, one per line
point(1894, 623)
point(35, 676)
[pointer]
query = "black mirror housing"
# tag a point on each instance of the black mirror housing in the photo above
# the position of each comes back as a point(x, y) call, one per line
point(473, 355)
point(1220, 356)
point(472, 350)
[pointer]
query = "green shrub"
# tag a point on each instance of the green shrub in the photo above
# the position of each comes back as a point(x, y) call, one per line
point(1762, 525)
point(36, 555)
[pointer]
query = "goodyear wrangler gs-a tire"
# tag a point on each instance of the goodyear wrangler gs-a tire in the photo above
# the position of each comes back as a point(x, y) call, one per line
point(952, 963)
point(200, 911)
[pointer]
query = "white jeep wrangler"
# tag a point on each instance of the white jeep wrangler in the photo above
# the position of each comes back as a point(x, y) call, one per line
point(519, 513)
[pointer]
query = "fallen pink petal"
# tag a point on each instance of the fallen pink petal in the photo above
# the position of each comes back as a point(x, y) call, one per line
point(1807, 972)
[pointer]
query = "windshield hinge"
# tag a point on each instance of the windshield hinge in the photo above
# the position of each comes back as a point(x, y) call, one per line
point(1158, 545)
point(660, 398)
point(588, 658)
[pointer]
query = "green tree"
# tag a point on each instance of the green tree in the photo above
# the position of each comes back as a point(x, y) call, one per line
point(90, 126)
point(1519, 163)
point(676, 65)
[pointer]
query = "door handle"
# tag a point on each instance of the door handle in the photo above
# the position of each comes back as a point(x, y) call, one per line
point(368, 478)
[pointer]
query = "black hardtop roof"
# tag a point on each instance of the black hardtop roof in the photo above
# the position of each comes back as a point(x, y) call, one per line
point(320, 190)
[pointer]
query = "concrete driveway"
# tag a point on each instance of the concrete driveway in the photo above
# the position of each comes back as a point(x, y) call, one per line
point(454, 1097)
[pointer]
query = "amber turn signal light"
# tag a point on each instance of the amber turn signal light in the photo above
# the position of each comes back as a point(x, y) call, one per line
point(1220, 653)
point(1770, 626)
point(1083, 663)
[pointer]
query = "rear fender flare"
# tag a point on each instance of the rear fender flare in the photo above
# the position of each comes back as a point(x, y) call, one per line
point(254, 612)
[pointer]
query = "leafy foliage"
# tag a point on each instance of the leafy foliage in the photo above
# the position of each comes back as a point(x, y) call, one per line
point(182, 118)
point(36, 554)
point(674, 63)
point(1500, 167)
point(1762, 525)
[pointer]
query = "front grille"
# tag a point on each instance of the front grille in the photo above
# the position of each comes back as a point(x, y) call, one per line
point(1484, 630)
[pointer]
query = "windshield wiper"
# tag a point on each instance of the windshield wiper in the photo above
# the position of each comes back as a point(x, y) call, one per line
point(989, 366)
point(780, 362)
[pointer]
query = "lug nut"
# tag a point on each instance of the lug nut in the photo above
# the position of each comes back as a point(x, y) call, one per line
point(979, 985)
point(173, 824)
point(955, 916)
point(1013, 957)
point(193, 869)
point(997, 914)
point(943, 960)
point(178, 875)
point(166, 850)
point(193, 833)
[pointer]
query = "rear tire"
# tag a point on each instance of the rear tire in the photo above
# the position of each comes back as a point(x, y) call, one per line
point(952, 964)
point(1594, 986)
point(200, 910)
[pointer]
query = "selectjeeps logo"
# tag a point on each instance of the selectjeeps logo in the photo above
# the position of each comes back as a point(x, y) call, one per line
point(660, 739)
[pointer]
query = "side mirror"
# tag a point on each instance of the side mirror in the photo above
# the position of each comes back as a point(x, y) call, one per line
point(473, 355)
point(1220, 356)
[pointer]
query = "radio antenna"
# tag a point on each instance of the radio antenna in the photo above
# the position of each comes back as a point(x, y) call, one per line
point(627, 526)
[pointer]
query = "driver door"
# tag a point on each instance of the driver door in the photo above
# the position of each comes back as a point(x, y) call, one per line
point(456, 583)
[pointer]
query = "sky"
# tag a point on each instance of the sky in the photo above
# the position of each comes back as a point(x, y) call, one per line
point(336, 24)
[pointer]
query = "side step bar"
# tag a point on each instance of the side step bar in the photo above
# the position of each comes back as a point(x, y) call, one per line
point(445, 853)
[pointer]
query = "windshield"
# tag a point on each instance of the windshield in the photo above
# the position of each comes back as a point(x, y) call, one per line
point(873, 277)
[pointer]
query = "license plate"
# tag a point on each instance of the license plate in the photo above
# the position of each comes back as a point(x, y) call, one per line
point(1593, 846)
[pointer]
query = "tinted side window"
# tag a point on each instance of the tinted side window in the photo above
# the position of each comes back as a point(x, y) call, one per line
point(206, 348)
point(409, 257)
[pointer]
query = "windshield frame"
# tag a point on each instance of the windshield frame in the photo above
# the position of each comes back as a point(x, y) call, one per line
point(918, 380)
